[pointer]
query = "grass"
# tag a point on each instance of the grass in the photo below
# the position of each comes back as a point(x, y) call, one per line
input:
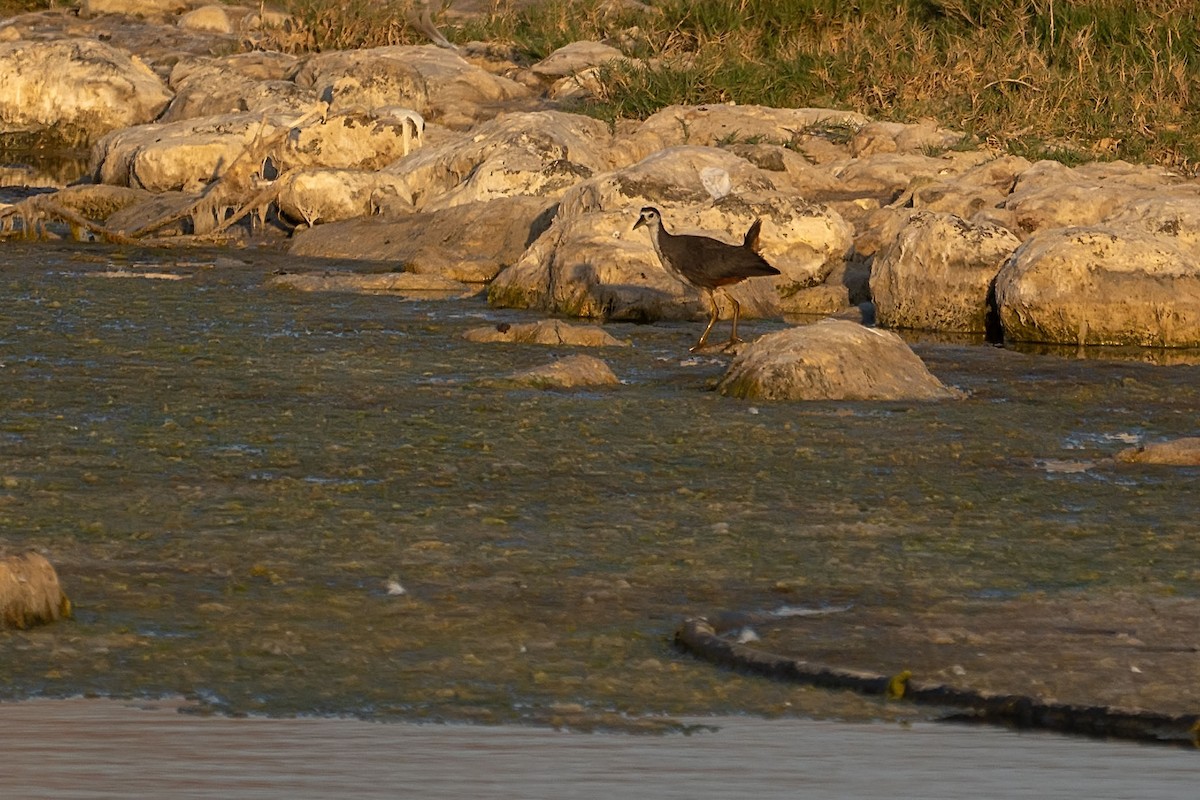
point(1074, 80)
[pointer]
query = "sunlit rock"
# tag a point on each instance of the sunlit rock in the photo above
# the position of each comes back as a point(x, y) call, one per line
point(213, 19)
point(897, 137)
point(831, 360)
point(719, 124)
point(937, 272)
point(436, 82)
point(576, 57)
point(75, 90)
point(592, 263)
point(405, 284)
point(140, 8)
point(328, 195)
point(541, 153)
point(245, 82)
point(546, 331)
point(977, 189)
point(1101, 285)
point(470, 242)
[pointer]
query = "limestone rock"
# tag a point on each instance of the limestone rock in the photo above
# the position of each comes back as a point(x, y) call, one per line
point(891, 174)
point(406, 284)
point(245, 82)
point(139, 8)
point(711, 125)
point(576, 57)
point(76, 88)
point(1100, 285)
point(538, 153)
point(831, 360)
point(1183, 452)
point(213, 18)
point(437, 83)
point(572, 372)
point(546, 331)
point(975, 190)
point(897, 137)
point(937, 273)
point(467, 243)
point(329, 195)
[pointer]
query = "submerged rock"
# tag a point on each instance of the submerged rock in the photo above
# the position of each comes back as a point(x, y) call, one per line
point(1183, 452)
point(407, 284)
point(546, 331)
point(831, 360)
point(572, 372)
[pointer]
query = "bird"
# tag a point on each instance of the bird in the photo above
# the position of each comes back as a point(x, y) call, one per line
point(707, 263)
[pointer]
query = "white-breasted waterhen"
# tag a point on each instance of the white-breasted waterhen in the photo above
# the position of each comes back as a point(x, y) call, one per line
point(707, 264)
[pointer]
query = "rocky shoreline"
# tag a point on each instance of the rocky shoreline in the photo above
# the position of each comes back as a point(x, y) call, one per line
point(466, 170)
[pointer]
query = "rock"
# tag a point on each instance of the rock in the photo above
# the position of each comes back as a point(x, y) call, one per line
point(437, 83)
point(712, 125)
point(140, 8)
point(1051, 195)
point(213, 18)
point(329, 195)
point(1100, 285)
point(245, 82)
point(571, 372)
point(179, 156)
point(978, 189)
point(937, 273)
point(546, 331)
point(896, 137)
point(76, 90)
point(576, 57)
point(467, 243)
point(598, 266)
point(540, 153)
point(406, 284)
point(889, 175)
point(831, 360)
point(30, 592)
point(190, 154)
point(1183, 452)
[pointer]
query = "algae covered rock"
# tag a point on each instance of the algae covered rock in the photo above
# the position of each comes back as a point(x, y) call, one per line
point(831, 360)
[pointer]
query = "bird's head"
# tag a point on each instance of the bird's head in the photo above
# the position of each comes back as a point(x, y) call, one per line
point(649, 216)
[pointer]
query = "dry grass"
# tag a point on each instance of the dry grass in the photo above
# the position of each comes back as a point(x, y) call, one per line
point(30, 593)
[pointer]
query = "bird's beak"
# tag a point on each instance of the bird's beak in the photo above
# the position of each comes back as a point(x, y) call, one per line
point(641, 221)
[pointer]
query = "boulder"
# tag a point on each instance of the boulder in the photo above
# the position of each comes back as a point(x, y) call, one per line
point(888, 175)
point(76, 90)
point(831, 360)
point(190, 154)
point(140, 8)
point(571, 372)
point(30, 592)
point(246, 82)
point(467, 243)
point(1183, 452)
point(1101, 285)
point(699, 190)
point(546, 331)
point(937, 273)
point(539, 153)
point(438, 83)
point(329, 195)
point(213, 19)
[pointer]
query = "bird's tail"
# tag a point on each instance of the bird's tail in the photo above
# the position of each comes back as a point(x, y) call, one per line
point(751, 241)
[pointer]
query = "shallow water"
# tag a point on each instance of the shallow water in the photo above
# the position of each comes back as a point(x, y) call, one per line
point(228, 477)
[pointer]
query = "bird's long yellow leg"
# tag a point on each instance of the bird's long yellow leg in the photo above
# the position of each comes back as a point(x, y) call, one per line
point(737, 309)
point(711, 321)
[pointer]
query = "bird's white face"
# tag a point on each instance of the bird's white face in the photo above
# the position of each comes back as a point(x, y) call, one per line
point(649, 216)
